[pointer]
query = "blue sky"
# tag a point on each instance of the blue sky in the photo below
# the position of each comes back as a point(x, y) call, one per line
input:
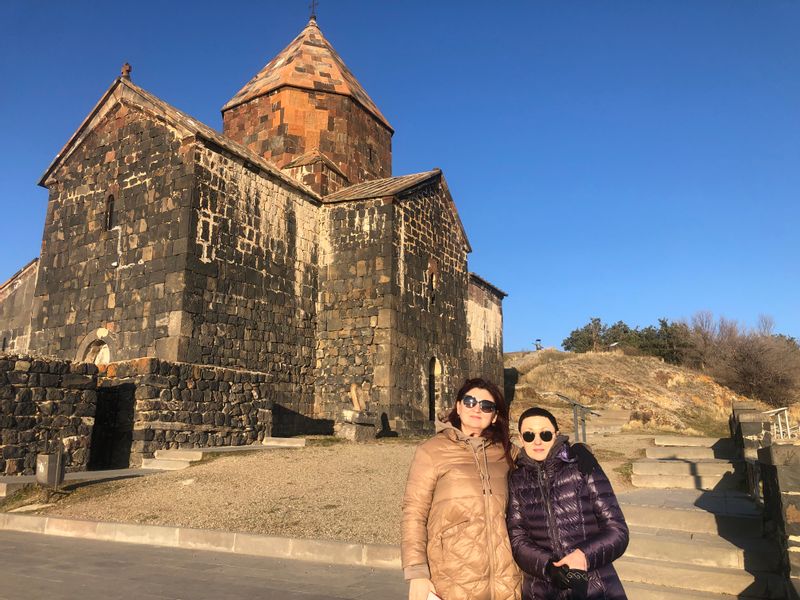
point(621, 159)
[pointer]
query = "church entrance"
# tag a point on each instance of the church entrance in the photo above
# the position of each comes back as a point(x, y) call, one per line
point(112, 434)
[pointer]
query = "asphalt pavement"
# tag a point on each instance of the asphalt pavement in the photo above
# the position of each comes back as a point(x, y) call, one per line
point(45, 567)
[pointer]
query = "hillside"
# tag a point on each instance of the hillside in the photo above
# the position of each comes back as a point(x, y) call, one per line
point(660, 396)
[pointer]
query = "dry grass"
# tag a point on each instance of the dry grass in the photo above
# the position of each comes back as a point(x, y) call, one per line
point(661, 396)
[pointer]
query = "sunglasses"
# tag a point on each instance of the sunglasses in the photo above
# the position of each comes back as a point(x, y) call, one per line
point(545, 436)
point(487, 406)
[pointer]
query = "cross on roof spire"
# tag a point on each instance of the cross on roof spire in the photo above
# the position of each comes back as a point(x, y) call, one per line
point(313, 7)
point(126, 71)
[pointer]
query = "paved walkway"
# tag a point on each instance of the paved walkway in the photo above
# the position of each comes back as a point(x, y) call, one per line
point(36, 566)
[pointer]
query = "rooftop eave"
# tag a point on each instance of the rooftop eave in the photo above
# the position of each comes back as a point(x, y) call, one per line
point(493, 288)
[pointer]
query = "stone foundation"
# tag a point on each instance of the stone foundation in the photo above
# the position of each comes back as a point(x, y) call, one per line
point(179, 405)
point(41, 403)
point(115, 416)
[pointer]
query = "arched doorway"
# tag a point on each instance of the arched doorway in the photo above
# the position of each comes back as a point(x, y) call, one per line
point(98, 347)
point(434, 375)
point(98, 353)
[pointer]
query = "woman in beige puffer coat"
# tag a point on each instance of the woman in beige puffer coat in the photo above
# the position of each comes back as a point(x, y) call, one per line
point(454, 537)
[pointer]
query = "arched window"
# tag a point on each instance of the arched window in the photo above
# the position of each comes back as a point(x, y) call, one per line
point(98, 353)
point(109, 216)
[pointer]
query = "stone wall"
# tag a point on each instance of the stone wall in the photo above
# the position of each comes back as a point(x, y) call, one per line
point(251, 281)
point(288, 123)
point(354, 295)
point(773, 477)
point(16, 296)
point(41, 403)
point(430, 323)
point(485, 325)
point(115, 272)
point(780, 473)
point(178, 405)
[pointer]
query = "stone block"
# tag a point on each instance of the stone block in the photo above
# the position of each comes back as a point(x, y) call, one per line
point(354, 432)
point(78, 381)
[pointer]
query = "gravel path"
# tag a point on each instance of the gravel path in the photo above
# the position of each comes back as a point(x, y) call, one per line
point(340, 491)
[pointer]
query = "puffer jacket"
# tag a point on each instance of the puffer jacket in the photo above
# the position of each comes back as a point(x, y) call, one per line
point(454, 526)
point(554, 509)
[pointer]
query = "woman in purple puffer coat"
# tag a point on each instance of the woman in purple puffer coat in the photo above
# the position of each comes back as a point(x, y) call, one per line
point(559, 516)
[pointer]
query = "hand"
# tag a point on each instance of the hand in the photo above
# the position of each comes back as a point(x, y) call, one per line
point(574, 560)
point(418, 589)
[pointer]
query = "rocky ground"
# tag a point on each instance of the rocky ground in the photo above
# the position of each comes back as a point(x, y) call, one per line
point(328, 490)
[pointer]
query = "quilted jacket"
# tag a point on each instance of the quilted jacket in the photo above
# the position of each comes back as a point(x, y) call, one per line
point(555, 509)
point(454, 527)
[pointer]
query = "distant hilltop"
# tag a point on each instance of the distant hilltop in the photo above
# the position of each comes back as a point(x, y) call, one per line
point(659, 395)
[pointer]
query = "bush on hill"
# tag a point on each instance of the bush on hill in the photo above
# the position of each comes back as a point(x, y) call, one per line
point(759, 363)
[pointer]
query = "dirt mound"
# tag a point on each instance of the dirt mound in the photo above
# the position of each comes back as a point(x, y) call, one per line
point(659, 395)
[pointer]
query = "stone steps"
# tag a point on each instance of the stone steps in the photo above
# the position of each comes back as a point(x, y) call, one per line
point(704, 549)
point(691, 519)
point(644, 591)
point(177, 459)
point(165, 464)
point(691, 482)
point(699, 442)
point(702, 463)
point(693, 535)
point(611, 420)
point(701, 467)
point(689, 453)
point(696, 578)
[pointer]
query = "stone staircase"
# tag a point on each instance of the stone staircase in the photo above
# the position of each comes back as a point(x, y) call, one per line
point(611, 420)
point(175, 460)
point(694, 533)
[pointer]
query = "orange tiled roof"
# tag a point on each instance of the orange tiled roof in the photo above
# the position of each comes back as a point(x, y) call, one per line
point(308, 62)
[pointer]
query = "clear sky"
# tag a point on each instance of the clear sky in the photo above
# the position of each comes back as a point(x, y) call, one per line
point(628, 160)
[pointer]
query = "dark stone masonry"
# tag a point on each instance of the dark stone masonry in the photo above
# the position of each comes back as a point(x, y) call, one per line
point(42, 403)
point(281, 253)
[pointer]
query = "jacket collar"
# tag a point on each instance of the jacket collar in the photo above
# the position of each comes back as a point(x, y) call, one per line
point(456, 435)
point(558, 453)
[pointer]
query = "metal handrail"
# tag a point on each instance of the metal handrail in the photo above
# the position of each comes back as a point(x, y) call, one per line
point(780, 426)
point(579, 413)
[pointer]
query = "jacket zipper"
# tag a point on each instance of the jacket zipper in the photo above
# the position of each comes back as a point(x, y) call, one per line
point(544, 486)
point(489, 533)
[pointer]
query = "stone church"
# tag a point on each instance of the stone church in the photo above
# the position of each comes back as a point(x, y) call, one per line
point(283, 246)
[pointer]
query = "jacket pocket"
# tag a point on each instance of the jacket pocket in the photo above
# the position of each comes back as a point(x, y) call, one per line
point(453, 530)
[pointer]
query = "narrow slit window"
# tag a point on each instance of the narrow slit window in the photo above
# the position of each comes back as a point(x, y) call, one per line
point(109, 216)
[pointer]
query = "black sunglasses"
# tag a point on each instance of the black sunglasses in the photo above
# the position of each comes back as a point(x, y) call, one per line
point(545, 436)
point(487, 406)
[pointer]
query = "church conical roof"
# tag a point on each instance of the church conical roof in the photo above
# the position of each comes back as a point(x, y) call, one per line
point(308, 62)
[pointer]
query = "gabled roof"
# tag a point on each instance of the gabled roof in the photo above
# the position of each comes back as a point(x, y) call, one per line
point(378, 188)
point(315, 156)
point(309, 62)
point(475, 278)
point(398, 187)
point(7, 285)
point(126, 92)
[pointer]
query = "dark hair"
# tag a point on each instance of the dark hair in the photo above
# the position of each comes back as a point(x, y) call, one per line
point(537, 412)
point(497, 431)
